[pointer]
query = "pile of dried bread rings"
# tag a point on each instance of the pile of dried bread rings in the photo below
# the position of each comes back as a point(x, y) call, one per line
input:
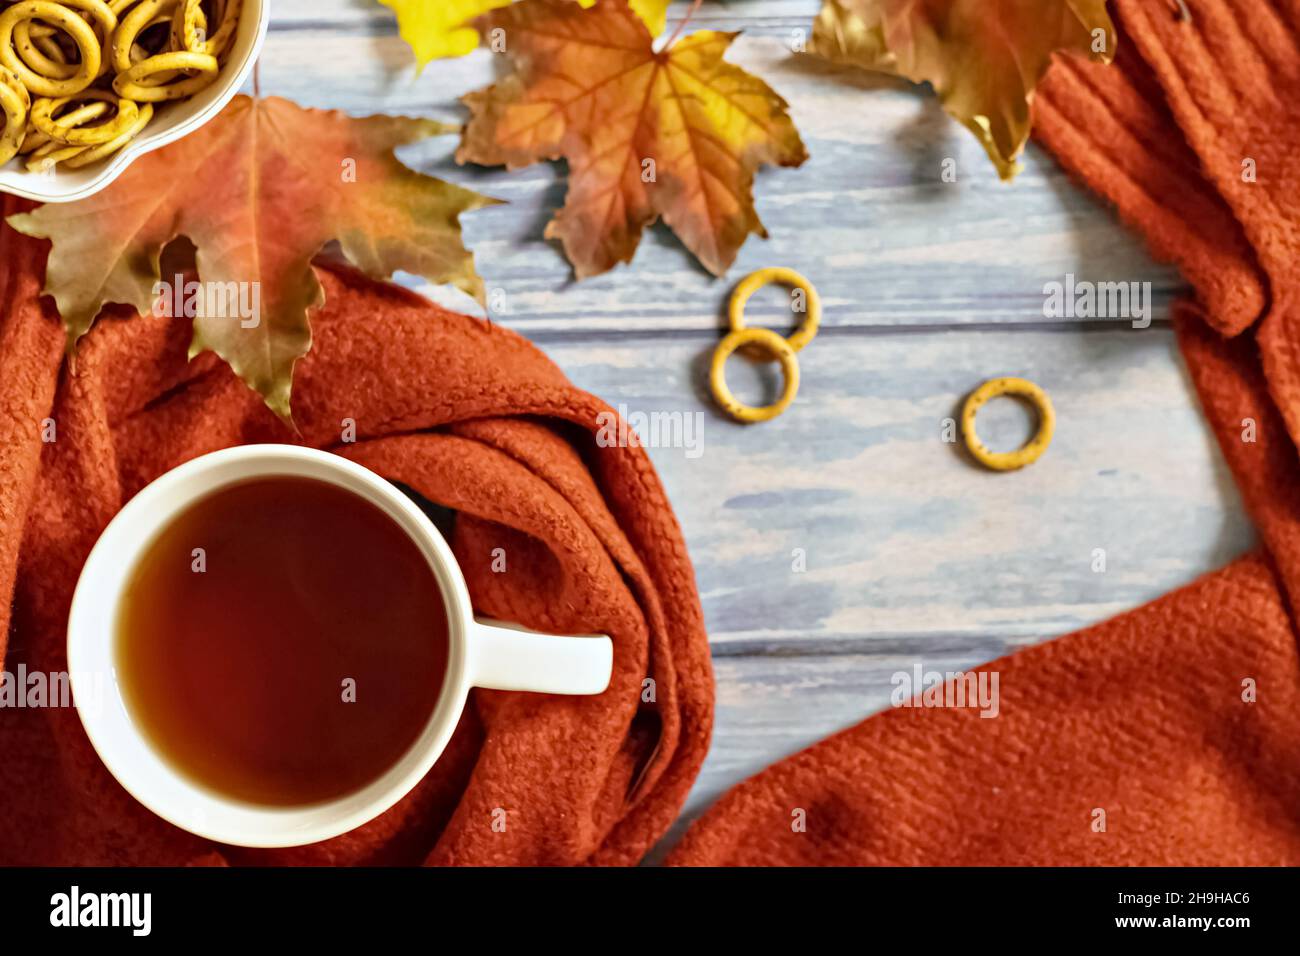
point(765, 342)
point(79, 78)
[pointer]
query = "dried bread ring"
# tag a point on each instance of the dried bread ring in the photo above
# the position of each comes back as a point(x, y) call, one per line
point(779, 349)
point(61, 130)
point(130, 84)
point(95, 153)
point(189, 24)
point(50, 155)
point(141, 17)
point(752, 283)
point(12, 82)
point(33, 139)
point(41, 53)
point(82, 34)
point(140, 53)
point(1032, 449)
point(47, 45)
point(83, 114)
point(15, 104)
point(92, 10)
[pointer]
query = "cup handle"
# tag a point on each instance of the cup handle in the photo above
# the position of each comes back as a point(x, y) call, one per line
point(508, 657)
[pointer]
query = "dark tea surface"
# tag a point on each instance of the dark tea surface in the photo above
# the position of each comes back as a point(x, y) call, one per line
point(282, 641)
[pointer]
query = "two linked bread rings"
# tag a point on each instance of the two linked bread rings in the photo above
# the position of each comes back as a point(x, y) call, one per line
point(784, 349)
point(77, 77)
point(764, 342)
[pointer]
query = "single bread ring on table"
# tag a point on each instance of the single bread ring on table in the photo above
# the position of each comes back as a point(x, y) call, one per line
point(62, 131)
point(752, 283)
point(63, 16)
point(14, 103)
point(1032, 449)
point(130, 85)
point(774, 345)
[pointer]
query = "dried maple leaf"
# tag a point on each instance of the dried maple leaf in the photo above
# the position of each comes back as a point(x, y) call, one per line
point(677, 133)
point(441, 28)
point(983, 57)
point(258, 191)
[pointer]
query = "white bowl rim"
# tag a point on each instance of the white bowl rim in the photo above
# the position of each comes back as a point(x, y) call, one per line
point(117, 164)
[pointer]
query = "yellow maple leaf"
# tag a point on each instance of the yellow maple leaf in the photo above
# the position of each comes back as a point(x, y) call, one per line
point(983, 57)
point(435, 29)
point(676, 133)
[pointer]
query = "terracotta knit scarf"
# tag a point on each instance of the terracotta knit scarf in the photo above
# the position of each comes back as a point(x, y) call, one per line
point(471, 416)
point(1143, 717)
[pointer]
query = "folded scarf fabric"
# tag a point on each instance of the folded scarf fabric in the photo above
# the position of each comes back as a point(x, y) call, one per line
point(1180, 721)
point(473, 418)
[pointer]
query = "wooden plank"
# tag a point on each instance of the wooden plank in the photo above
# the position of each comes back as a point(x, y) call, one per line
point(903, 537)
point(867, 218)
point(362, 15)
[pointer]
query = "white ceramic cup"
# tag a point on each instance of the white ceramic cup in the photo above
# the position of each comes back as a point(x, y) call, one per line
point(480, 654)
point(170, 123)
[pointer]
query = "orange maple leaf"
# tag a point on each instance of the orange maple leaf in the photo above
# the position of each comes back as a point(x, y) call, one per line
point(676, 134)
point(984, 58)
point(259, 191)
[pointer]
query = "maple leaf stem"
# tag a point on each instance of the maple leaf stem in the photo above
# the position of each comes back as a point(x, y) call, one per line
point(690, 15)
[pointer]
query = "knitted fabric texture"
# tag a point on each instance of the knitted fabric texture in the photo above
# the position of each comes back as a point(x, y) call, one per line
point(469, 415)
point(1130, 743)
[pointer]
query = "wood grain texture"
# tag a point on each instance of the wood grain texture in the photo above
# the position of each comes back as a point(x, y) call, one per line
point(868, 218)
point(904, 538)
point(912, 553)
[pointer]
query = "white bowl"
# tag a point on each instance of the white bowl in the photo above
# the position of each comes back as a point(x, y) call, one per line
point(171, 122)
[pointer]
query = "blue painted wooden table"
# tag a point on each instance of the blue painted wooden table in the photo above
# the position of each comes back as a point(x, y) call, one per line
point(908, 553)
